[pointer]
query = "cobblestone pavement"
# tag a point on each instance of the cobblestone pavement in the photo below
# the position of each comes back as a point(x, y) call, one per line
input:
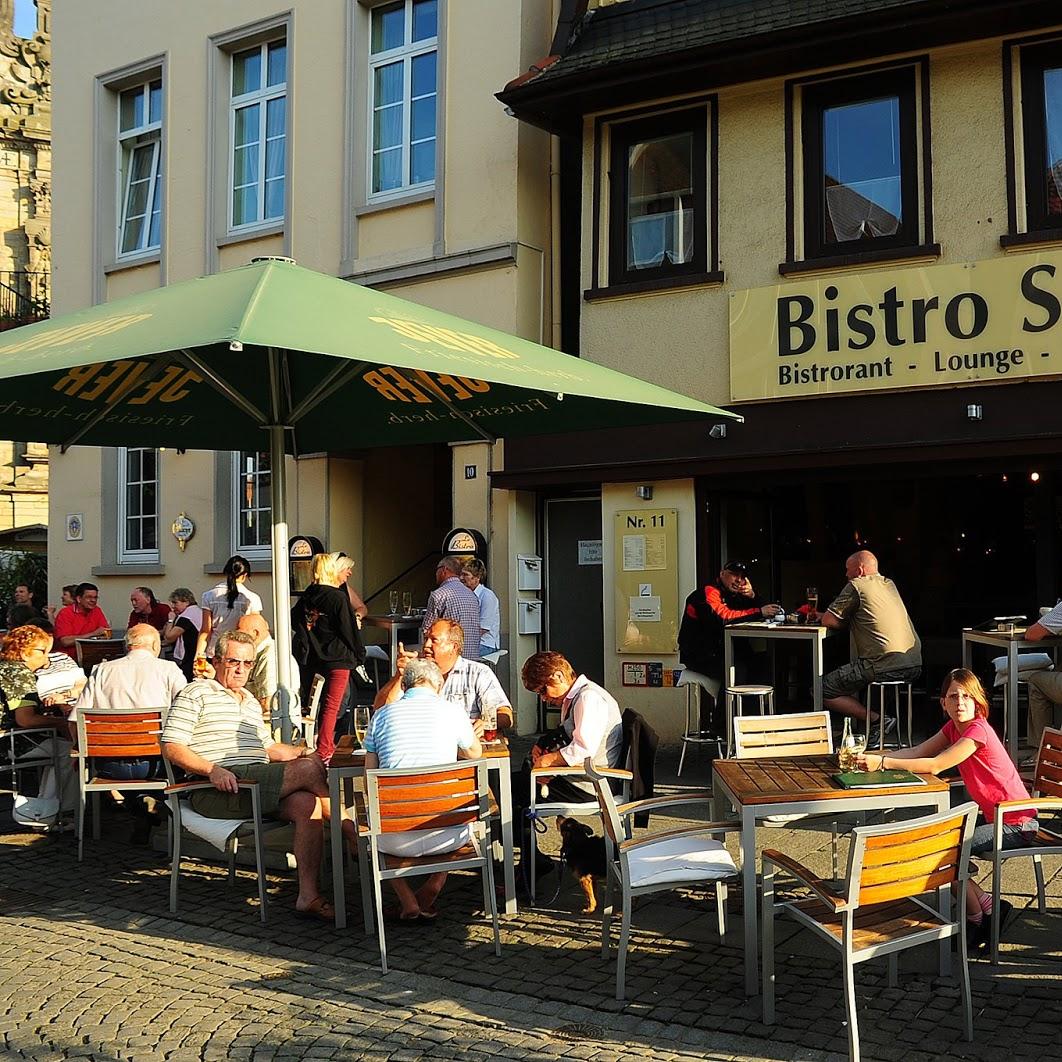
point(92, 966)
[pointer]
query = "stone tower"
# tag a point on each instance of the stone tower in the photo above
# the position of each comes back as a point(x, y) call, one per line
point(26, 248)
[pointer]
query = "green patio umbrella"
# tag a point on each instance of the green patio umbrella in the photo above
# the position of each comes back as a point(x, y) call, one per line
point(314, 362)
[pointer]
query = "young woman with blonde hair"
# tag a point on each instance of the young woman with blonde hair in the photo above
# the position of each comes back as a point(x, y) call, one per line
point(325, 639)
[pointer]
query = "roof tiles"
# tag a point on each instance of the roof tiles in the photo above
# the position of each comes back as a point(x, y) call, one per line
point(644, 29)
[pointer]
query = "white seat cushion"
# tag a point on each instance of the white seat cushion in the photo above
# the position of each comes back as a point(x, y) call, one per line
point(214, 831)
point(680, 859)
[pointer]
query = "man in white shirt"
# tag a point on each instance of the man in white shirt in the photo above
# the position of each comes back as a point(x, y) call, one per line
point(137, 680)
point(467, 683)
point(1045, 687)
point(489, 607)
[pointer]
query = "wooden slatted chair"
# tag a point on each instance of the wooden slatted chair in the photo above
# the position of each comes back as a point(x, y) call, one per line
point(802, 734)
point(878, 909)
point(113, 734)
point(425, 799)
point(93, 651)
point(671, 859)
point(1046, 796)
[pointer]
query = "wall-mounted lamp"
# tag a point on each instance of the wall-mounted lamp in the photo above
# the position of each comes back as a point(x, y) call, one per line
point(644, 492)
point(717, 431)
point(974, 411)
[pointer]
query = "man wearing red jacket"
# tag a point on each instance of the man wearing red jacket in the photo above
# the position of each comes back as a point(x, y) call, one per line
point(730, 599)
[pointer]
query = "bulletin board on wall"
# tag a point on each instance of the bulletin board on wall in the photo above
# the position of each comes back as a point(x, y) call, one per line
point(646, 577)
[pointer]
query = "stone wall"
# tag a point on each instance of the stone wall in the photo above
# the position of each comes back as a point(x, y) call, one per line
point(26, 245)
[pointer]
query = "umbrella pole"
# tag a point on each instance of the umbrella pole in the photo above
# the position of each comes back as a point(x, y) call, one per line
point(281, 588)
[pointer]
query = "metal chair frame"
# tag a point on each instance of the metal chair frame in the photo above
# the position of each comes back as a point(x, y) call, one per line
point(889, 868)
point(619, 845)
point(13, 762)
point(254, 827)
point(1046, 796)
point(588, 809)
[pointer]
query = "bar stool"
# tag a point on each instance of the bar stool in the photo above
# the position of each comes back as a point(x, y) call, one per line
point(693, 733)
point(735, 696)
point(884, 687)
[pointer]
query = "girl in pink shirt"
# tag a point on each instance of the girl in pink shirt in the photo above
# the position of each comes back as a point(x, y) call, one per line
point(968, 742)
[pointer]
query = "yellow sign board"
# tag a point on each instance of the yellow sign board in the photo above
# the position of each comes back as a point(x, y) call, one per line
point(891, 330)
point(646, 580)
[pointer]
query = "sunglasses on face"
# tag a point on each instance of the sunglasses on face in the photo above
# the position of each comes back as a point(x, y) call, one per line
point(231, 661)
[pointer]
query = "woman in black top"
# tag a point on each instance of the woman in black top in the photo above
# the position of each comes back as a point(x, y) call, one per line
point(326, 640)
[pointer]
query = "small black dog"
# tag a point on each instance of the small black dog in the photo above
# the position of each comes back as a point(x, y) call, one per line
point(584, 853)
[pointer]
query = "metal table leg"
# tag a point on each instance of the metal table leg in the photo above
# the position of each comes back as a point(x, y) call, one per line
point(816, 672)
point(748, 880)
point(339, 899)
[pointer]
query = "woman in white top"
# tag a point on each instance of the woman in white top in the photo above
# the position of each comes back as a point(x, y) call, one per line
point(182, 628)
point(225, 604)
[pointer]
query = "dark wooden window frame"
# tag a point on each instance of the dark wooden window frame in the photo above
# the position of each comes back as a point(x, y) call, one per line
point(915, 237)
point(1033, 56)
point(698, 116)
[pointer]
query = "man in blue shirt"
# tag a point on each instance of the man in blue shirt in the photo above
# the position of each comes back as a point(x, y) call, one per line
point(420, 729)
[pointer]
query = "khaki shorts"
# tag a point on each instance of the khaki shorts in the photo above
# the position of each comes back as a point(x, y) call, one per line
point(217, 805)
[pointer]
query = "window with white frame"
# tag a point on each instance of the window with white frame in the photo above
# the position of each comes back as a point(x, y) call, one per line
point(403, 92)
point(253, 502)
point(258, 134)
point(138, 505)
point(140, 168)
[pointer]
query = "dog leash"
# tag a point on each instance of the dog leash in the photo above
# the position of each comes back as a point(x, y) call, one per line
point(538, 824)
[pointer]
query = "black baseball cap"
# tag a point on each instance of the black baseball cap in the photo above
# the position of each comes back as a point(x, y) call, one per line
point(737, 567)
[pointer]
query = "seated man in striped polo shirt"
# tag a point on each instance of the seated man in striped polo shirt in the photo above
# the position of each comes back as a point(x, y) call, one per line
point(215, 729)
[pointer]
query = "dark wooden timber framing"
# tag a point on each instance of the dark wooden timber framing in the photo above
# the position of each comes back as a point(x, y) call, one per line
point(559, 102)
point(605, 287)
point(918, 427)
point(1009, 48)
point(818, 91)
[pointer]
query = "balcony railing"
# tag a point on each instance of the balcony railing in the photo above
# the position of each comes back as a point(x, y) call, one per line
point(24, 297)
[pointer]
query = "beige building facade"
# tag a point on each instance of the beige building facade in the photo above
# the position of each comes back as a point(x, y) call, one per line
point(361, 139)
point(861, 257)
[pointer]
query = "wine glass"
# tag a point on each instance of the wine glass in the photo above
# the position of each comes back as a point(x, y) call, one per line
point(392, 597)
point(361, 722)
point(407, 602)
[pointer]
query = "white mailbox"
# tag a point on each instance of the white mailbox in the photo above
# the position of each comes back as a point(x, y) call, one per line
point(529, 617)
point(528, 572)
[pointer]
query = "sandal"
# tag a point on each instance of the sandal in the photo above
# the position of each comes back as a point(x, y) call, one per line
point(393, 916)
point(319, 910)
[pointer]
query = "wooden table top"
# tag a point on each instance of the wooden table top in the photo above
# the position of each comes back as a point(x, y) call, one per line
point(780, 780)
point(763, 627)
